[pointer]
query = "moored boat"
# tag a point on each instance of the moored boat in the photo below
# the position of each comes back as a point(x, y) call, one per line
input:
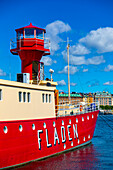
point(33, 124)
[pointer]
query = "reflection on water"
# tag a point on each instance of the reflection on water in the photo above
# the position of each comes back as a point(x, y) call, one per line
point(82, 158)
point(97, 155)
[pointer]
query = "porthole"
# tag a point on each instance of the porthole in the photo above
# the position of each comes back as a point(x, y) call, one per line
point(20, 128)
point(64, 146)
point(82, 119)
point(62, 122)
point(5, 129)
point(88, 136)
point(92, 116)
point(69, 121)
point(87, 117)
point(44, 125)
point(53, 124)
point(71, 143)
point(76, 120)
point(33, 126)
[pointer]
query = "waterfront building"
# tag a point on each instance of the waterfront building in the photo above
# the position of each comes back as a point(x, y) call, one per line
point(75, 98)
point(112, 99)
point(104, 98)
point(88, 98)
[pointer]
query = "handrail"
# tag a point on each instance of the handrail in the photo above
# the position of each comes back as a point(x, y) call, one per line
point(15, 41)
point(71, 101)
point(38, 37)
point(69, 109)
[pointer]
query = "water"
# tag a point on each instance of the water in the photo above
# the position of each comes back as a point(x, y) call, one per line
point(97, 155)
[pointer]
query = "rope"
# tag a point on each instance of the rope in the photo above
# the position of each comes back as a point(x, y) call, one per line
point(106, 122)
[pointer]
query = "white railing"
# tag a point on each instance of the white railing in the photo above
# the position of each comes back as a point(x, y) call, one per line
point(38, 40)
point(72, 109)
point(67, 102)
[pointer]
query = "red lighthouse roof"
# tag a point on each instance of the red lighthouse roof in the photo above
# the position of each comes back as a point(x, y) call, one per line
point(30, 26)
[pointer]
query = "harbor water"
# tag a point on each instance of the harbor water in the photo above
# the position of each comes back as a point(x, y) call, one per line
point(97, 155)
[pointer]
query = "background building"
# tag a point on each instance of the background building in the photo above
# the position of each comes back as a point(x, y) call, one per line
point(104, 98)
point(88, 97)
point(75, 98)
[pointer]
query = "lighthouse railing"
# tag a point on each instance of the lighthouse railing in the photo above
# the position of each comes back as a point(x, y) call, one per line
point(18, 42)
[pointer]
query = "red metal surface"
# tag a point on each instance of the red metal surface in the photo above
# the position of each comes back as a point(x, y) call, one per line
point(49, 137)
point(30, 26)
point(29, 49)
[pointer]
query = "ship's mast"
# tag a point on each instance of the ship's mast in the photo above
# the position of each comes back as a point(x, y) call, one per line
point(68, 69)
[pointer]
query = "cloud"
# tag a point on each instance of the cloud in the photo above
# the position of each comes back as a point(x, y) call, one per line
point(100, 39)
point(108, 83)
point(54, 30)
point(96, 60)
point(74, 60)
point(61, 83)
point(73, 84)
point(54, 61)
point(79, 49)
point(93, 83)
point(48, 61)
point(72, 70)
point(2, 73)
point(80, 60)
point(109, 68)
point(85, 70)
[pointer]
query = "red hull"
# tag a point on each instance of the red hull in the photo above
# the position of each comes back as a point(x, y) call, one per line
point(47, 137)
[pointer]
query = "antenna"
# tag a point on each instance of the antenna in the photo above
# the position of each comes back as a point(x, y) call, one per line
point(51, 71)
point(68, 45)
point(68, 69)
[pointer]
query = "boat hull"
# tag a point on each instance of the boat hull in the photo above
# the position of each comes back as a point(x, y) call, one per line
point(28, 140)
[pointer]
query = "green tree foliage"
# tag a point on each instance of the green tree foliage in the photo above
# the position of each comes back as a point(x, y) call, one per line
point(106, 107)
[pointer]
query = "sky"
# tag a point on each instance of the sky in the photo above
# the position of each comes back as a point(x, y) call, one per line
point(87, 23)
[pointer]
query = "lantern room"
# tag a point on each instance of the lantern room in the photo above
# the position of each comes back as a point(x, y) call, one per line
point(30, 45)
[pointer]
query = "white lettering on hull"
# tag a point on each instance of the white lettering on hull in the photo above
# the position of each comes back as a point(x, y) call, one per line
point(69, 126)
point(39, 139)
point(47, 140)
point(75, 131)
point(56, 138)
point(63, 134)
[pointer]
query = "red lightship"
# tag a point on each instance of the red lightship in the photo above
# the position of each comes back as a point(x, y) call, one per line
point(33, 124)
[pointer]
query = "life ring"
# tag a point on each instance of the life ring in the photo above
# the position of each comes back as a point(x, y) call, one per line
point(81, 108)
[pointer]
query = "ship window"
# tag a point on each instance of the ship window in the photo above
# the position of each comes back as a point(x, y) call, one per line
point(46, 98)
point(39, 34)
point(0, 94)
point(43, 98)
point(20, 34)
point(49, 98)
point(24, 96)
point(20, 96)
point(28, 97)
point(29, 33)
